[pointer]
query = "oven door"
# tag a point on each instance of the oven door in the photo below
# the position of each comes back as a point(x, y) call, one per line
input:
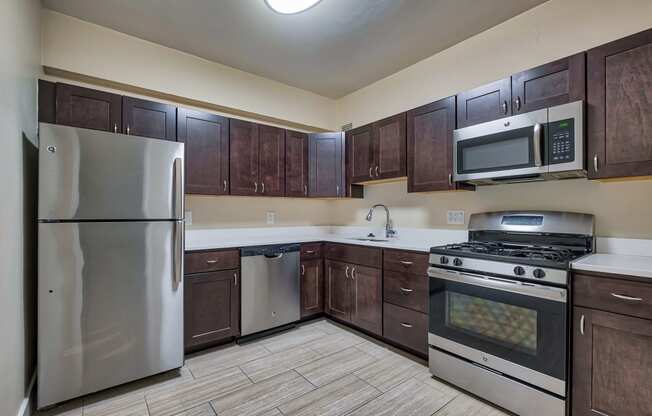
point(512, 147)
point(515, 328)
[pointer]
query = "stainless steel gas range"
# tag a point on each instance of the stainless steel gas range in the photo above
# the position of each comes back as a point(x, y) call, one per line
point(499, 307)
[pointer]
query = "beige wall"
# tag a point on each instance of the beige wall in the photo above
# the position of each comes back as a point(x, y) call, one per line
point(552, 30)
point(72, 45)
point(240, 211)
point(19, 67)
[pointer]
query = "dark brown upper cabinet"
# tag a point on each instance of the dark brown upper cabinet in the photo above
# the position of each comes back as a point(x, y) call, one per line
point(376, 151)
point(206, 139)
point(149, 119)
point(619, 116)
point(47, 101)
point(390, 147)
point(326, 165)
point(272, 160)
point(243, 150)
point(296, 164)
point(360, 154)
point(559, 82)
point(88, 108)
point(485, 103)
point(430, 147)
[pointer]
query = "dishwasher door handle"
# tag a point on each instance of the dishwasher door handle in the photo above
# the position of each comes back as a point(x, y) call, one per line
point(274, 256)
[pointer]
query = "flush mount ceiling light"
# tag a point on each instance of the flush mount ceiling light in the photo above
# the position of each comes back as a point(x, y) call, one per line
point(290, 6)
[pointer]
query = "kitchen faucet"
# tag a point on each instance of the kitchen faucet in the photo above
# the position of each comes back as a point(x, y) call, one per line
point(389, 231)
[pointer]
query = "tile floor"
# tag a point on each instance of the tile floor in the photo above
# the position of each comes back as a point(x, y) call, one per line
point(318, 368)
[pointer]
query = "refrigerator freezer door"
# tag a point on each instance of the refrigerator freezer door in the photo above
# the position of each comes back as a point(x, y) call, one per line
point(95, 175)
point(110, 305)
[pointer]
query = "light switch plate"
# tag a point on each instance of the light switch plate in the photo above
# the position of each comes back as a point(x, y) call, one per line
point(455, 217)
point(188, 217)
point(271, 217)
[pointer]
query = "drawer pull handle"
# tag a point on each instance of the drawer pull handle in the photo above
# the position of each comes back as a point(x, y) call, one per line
point(404, 325)
point(582, 325)
point(404, 290)
point(407, 263)
point(625, 297)
point(211, 261)
point(235, 279)
point(346, 272)
point(303, 269)
point(310, 251)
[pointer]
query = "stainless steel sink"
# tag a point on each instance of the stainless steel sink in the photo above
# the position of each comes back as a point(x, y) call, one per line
point(370, 239)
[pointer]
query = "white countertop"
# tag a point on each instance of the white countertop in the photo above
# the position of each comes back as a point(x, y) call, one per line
point(407, 238)
point(640, 266)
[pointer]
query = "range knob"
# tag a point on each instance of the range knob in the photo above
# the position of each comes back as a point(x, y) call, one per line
point(457, 262)
point(519, 271)
point(539, 274)
point(443, 260)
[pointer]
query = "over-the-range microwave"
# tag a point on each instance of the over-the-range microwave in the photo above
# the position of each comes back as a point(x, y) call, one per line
point(539, 145)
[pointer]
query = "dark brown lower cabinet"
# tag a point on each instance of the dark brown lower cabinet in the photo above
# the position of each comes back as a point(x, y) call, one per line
point(312, 287)
point(211, 307)
point(612, 364)
point(406, 327)
point(338, 290)
point(366, 298)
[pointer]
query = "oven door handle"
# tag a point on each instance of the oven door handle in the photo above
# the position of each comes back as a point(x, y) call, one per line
point(513, 286)
point(536, 142)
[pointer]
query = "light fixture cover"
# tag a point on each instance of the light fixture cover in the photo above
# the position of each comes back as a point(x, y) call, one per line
point(290, 6)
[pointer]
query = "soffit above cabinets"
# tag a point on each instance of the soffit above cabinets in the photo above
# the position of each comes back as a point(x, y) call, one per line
point(332, 49)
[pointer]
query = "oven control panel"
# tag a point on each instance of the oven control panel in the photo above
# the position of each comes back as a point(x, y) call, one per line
point(561, 139)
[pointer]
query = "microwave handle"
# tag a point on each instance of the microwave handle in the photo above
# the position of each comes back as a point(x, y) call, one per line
point(538, 132)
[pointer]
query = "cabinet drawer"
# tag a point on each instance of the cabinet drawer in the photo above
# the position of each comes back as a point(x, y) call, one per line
point(406, 261)
point(207, 261)
point(311, 251)
point(406, 290)
point(364, 256)
point(406, 327)
point(613, 295)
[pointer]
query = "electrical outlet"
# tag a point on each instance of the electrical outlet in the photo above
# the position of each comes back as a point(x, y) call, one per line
point(271, 217)
point(455, 217)
point(188, 217)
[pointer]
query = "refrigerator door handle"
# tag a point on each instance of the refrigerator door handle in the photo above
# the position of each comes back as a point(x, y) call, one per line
point(178, 188)
point(177, 255)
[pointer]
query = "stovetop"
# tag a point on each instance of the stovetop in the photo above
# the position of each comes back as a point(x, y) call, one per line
point(535, 255)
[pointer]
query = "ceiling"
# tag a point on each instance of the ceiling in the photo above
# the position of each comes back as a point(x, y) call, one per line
point(332, 49)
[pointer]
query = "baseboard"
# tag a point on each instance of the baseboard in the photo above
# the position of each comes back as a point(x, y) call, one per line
point(27, 405)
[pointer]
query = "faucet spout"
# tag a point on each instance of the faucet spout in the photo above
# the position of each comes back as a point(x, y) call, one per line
point(389, 230)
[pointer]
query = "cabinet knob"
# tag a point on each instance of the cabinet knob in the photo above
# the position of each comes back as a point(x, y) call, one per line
point(305, 190)
point(371, 171)
point(404, 325)
point(377, 171)
point(450, 179)
point(263, 191)
point(128, 130)
point(582, 325)
point(505, 107)
point(255, 187)
point(346, 272)
point(115, 127)
point(211, 261)
point(235, 279)
point(303, 270)
point(518, 103)
point(595, 162)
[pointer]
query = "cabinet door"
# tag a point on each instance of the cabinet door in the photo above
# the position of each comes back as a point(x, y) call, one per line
point(612, 364)
point(88, 109)
point(619, 116)
point(149, 119)
point(272, 160)
point(212, 307)
point(390, 147)
point(485, 103)
point(338, 289)
point(359, 154)
point(206, 139)
point(555, 83)
point(47, 101)
point(243, 159)
point(326, 164)
point(296, 164)
point(366, 297)
point(312, 287)
point(430, 146)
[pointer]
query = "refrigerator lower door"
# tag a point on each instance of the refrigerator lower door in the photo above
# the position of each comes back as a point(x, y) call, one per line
point(110, 305)
point(89, 175)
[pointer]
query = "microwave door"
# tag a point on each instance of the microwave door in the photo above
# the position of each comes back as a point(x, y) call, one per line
point(510, 147)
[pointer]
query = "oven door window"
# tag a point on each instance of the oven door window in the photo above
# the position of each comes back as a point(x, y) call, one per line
point(508, 150)
point(522, 329)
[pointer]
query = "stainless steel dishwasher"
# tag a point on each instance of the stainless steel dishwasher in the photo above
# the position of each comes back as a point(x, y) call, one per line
point(270, 287)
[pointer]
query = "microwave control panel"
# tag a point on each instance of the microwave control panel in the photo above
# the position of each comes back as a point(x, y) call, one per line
point(561, 137)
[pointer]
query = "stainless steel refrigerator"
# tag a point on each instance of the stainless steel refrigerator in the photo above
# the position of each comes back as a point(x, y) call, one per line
point(110, 260)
